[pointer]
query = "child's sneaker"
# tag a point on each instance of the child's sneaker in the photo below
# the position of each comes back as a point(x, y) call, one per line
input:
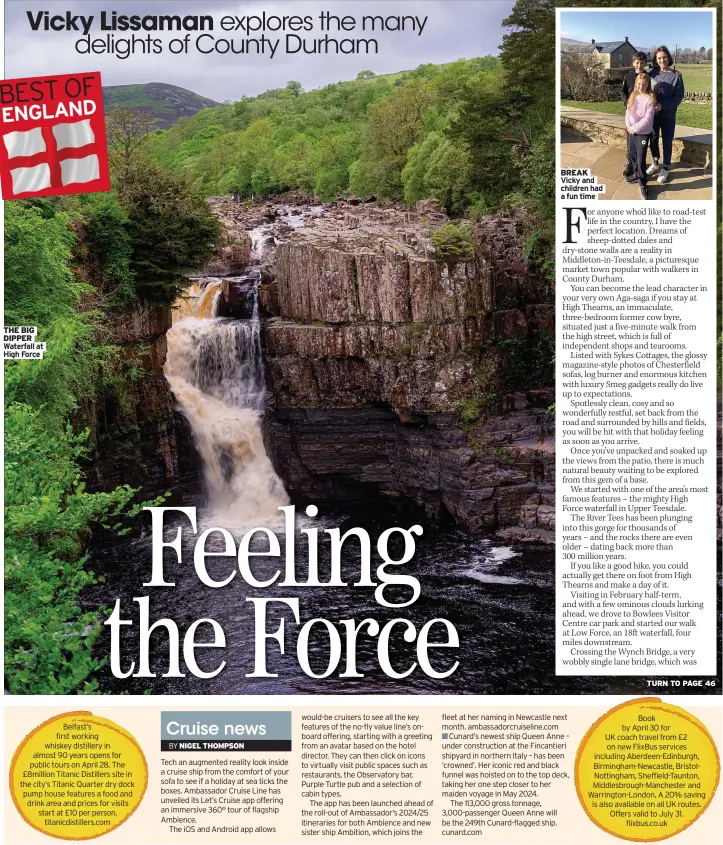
point(644, 195)
point(664, 176)
point(631, 178)
point(627, 172)
point(653, 169)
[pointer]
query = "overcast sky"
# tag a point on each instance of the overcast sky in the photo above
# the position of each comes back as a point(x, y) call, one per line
point(455, 29)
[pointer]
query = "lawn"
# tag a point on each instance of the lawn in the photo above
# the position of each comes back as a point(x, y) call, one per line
point(697, 115)
point(697, 77)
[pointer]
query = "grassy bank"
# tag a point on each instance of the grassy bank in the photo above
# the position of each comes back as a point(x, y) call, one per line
point(697, 77)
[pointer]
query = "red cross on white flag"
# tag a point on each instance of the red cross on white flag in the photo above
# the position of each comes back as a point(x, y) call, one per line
point(53, 133)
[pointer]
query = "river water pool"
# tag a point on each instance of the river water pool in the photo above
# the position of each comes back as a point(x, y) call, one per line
point(500, 599)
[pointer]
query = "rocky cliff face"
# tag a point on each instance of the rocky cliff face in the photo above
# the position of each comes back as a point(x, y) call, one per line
point(234, 250)
point(138, 436)
point(399, 374)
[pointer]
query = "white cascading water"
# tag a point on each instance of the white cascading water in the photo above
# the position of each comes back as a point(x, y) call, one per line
point(215, 370)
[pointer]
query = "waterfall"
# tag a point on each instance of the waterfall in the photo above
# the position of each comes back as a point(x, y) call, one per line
point(215, 370)
point(221, 359)
point(209, 300)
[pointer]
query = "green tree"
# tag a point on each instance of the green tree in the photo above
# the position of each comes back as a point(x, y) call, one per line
point(48, 519)
point(438, 167)
point(393, 127)
point(528, 51)
point(109, 245)
point(253, 147)
point(173, 231)
point(500, 124)
point(127, 131)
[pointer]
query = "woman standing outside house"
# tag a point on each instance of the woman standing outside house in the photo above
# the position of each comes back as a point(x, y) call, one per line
point(669, 93)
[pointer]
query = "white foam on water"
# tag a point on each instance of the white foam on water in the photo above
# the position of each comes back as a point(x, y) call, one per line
point(489, 578)
point(502, 553)
point(484, 566)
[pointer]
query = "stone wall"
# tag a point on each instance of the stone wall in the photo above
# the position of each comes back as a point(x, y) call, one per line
point(689, 149)
point(698, 97)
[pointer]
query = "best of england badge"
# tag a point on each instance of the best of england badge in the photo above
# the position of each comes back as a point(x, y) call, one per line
point(53, 136)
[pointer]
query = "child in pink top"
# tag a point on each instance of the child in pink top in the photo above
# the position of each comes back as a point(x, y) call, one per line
point(639, 116)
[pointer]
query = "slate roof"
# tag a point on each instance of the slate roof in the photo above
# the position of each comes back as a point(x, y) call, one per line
point(609, 46)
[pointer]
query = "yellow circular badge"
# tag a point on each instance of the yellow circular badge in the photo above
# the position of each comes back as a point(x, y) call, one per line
point(646, 770)
point(77, 776)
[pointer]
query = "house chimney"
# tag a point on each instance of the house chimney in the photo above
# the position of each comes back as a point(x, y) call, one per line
point(593, 41)
point(626, 39)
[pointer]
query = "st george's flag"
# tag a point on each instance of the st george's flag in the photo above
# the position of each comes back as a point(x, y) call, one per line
point(53, 136)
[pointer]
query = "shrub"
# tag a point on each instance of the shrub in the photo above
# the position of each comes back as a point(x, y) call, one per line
point(582, 77)
point(479, 208)
point(452, 242)
point(473, 412)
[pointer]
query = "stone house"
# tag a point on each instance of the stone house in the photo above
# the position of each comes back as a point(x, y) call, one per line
point(614, 54)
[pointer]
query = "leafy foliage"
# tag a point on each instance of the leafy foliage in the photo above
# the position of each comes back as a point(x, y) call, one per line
point(509, 129)
point(41, 290)
point(48, 514)
point(66, 260)
point(452, 242)
point(356, 136)
point(473, 412)
point(438, 168)
point(106, 228)
point(38, 283)
point(171, 228)
point(527, 363)
point(159, 227)
point(474, 134)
